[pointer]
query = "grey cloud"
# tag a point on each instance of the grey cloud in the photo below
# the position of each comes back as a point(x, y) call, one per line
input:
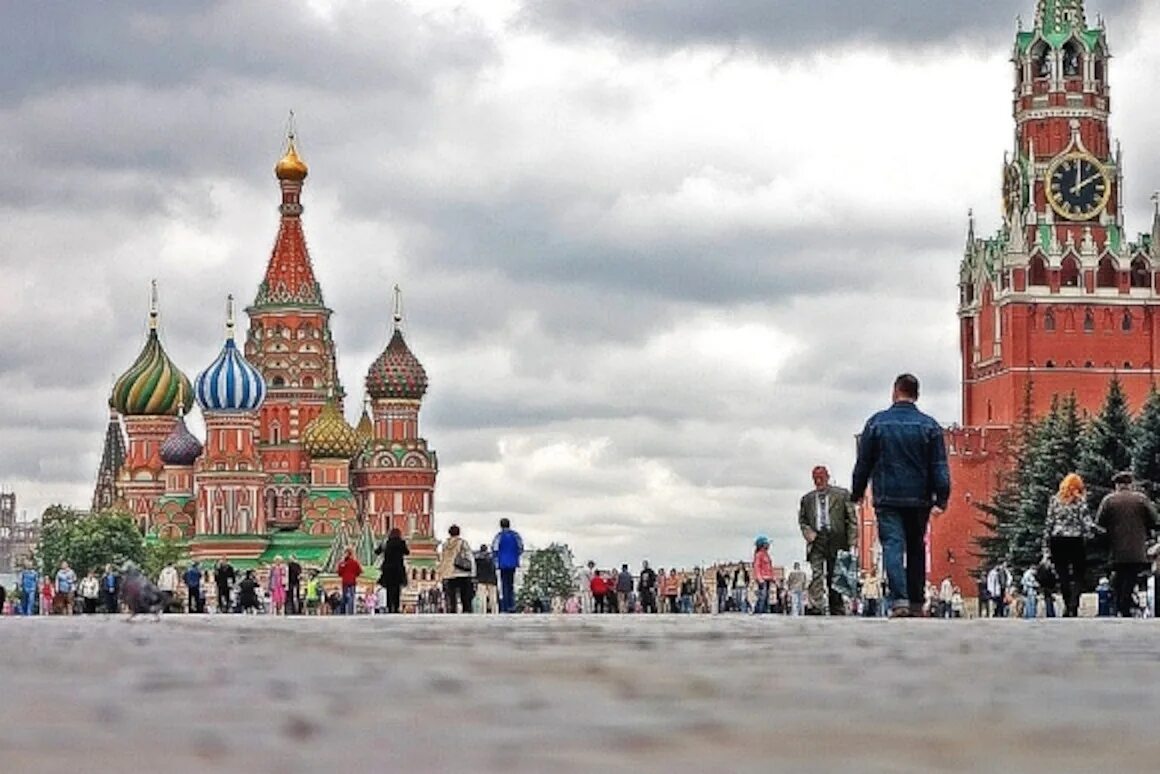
point(794, 27)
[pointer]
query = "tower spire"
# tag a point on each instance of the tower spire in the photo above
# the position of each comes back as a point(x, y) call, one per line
point(1056, 16)
point(1156, 224)
point(230, 316)
point(153, 312)
point(398, 307)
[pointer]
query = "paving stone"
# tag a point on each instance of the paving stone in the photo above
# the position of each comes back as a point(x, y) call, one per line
point(564, 694)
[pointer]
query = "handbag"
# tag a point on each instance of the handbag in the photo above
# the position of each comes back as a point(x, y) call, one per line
point(463, 562)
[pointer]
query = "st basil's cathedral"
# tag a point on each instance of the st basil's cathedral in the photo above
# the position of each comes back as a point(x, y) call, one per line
point(281, 471)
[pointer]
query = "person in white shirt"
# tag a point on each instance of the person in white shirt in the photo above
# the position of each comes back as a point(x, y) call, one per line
point(587, 603)
point(946, 591)
point(90, 590)
point(167, 584)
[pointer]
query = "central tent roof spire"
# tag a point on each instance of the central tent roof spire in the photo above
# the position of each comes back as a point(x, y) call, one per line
point(1059, 15)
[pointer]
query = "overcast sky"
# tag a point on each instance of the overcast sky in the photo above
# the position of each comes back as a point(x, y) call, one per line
point(659, 257)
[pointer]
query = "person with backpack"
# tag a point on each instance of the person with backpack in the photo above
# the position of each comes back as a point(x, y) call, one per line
point(457, 570)
point(487, 581)
point(507, 547)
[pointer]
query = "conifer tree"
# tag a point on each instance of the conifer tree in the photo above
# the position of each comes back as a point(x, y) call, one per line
point(1107, 444)
point(1001, 514)
point(1146, 445)
point(547, 577)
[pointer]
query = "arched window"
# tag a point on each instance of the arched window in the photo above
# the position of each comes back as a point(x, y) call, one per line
point(1141, 275)
point(275, 433)
point(1106, 273)
point(1126, 322)
point(1099, 67)
point(1049, 321)
point(1089, 321)
point(1037, 274)
point(277, 381)
point(1089, 364)
point(307, 381)
point(1072, 59)
point(1069, 273)
point(1050, 364)
point(1128, 364)
point(1041, 61)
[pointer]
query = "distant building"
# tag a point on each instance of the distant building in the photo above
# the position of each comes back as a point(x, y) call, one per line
point(17, 538)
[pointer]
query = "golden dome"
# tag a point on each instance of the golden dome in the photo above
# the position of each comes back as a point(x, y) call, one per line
point(329, 436)
point(291, 167)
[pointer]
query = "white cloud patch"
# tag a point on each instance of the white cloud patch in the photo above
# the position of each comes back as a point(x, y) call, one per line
point(655, 273)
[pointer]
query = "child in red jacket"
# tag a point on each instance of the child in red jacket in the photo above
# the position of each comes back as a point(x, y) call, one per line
point(599, 588)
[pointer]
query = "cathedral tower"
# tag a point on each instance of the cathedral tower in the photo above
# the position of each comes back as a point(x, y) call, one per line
point(395, 474)
point(149, 396)
point(290, 342)
point(230, 478)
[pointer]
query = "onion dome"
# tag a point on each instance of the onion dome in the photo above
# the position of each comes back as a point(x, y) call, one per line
point(397, 373)
point(329, 436)
point(153, 385)
point(230, 383)
point(291, 166)
point(365, 429)
point(181, 447)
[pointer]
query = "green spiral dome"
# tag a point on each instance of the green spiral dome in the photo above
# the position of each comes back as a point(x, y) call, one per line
point(153, 385)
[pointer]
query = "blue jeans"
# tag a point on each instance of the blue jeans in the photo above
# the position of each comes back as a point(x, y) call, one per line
point(902, 533)
point(722, 595)
point(798, 602)
point(507, 581)
point(762, 605)
point(28, 602)
point(1029, 605)
point(348, 599)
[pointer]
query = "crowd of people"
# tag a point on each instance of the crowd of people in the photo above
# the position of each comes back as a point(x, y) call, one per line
point(901, 456)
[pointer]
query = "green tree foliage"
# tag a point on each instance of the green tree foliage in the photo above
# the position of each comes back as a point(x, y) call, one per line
point(160, 553)
point(1107, 444)
point(1146, 445)
point(1001, 514)
point(548, 575)
point(87, 542)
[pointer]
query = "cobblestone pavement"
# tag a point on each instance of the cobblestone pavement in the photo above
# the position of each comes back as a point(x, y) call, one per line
point(583, 694)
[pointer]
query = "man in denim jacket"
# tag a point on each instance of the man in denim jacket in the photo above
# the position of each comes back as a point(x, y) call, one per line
point(902, 456)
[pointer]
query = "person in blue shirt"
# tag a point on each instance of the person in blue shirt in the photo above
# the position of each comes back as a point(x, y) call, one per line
point(507, 548)
point(29, 589)
point(110, 586)
point(192, 580)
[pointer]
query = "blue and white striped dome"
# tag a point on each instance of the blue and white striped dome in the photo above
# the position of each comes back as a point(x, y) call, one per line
point(230, 383)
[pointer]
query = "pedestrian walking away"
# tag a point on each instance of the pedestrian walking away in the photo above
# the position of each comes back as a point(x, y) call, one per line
point(901, 455)
point(457, 570)
point(507, 547)
point(1068, 527)
point(1130, 520)
point(487, 581)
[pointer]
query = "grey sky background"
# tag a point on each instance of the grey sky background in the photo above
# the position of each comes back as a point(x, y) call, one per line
point(659, 259)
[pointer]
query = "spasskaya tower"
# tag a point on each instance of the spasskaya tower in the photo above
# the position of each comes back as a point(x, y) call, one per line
point(1060, 299)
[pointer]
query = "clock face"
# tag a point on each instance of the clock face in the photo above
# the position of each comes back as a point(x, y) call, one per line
point(1077, 186)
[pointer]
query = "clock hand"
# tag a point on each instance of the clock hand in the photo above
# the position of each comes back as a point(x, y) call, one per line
point(1085, 183)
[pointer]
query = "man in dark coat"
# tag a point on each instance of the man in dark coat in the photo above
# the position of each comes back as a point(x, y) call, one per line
point(487, 581)
point(1130, 519)
point(393, 574)
point(224, 576)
